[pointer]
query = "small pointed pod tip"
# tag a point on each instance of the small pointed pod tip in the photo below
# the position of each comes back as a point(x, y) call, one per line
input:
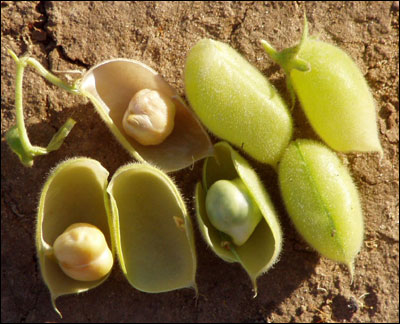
point(196, 290)
point(350, 267)
point(305, 30)
point(53, 303)
point(255, 288)
point(381, 154)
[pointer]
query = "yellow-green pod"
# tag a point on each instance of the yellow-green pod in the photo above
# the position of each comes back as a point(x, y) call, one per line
point(75, 192)
point(146, 115)
point(333, 93)
point(261, 249)
point(154, 235)
point(236, 102)
point(322, 200)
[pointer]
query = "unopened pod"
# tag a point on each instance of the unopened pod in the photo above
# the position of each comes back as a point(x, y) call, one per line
point(322, 200)
point(236, 102)
point(333, 93)
point(140, 217)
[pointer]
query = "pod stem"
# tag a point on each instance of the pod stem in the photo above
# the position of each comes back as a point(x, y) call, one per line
point(17, 137)
point(288, 58)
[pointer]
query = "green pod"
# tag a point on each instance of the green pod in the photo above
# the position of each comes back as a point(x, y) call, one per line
point(322, 200)
point(75, 192)
point(333, 93)
point(154, 235)
point(236, 102)
point(262, 248)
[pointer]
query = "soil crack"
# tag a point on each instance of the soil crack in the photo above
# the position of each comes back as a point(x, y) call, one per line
point(49, 40)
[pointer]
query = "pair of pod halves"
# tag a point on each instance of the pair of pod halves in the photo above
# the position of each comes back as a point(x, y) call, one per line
point(141, 213)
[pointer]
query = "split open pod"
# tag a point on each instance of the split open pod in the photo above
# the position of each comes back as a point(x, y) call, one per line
point(140, 215)
point(235, 213)
point(146, 114)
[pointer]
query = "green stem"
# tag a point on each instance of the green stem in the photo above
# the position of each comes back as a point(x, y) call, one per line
point(51, 77)
point(26, 144)
point(17, 136)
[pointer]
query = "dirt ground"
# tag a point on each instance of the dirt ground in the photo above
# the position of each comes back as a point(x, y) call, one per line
point(302, 287)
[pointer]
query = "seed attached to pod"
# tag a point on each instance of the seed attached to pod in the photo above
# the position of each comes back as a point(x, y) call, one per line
point(154, 234)
point(322, 200)
point(333, 93)
point(74, 193)
point(146, 114)
point(82, 252)
point(231, 209)
point(252, 235)
point(236, 102)
point(149, 118)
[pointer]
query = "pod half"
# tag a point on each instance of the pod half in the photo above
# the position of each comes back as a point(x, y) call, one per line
point(154, 235)
point(73, 193)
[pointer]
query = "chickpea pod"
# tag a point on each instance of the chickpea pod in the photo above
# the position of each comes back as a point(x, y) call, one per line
point(231, 209)
point(146, 115)
point(322, 200)
point(252, 235)
point(236, 102)
point(149, 118)
point(82, 252)
point(332, 92)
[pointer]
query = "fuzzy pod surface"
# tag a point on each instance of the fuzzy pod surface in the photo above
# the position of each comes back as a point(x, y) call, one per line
point(236, 102)
point(322, 200)
point(333, 93)
point(153, 232)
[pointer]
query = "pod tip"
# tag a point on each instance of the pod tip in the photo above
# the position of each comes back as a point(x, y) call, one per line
point(350, 267)
point(53, 303)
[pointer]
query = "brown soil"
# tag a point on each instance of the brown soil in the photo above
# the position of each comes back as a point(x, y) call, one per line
point(302, 287)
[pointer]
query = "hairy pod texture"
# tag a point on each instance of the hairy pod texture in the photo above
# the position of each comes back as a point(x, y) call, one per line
point(322, 200)
point(333, 93)
point(236, 102)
